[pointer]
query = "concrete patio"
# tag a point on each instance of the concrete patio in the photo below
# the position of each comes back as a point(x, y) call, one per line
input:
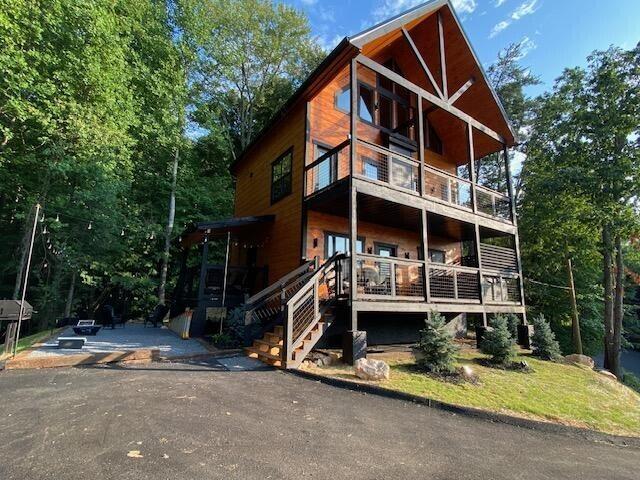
point(133, 342)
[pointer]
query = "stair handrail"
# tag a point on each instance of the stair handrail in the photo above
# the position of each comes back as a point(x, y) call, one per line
point(280, 283)
point(311, 285)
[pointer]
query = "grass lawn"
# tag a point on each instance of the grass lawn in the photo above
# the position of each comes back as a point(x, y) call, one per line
point(29, 341)
point(571, 395)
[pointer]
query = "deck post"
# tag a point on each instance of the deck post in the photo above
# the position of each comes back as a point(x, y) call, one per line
point(353, 198)
point(425, 255)
point(472, 168)
point(516, 237)
point(420, 127)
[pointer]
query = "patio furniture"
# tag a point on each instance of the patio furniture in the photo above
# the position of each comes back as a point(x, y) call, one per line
point(111, 318)
point(157, 315)
point(86, 327)
point(71, 342)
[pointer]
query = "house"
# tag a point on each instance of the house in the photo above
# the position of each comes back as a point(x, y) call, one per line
point(377, 194)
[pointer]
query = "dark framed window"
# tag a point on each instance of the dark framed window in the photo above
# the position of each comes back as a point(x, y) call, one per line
point(338, 242)
point(437, 256)
point(281, 176)
point(386, 249)
point(343, 100)
point(327, 170)
point(366, 103)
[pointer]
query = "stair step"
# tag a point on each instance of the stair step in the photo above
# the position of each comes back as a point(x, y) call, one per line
point(273, 338)
point(265, 357)
point(266, 347)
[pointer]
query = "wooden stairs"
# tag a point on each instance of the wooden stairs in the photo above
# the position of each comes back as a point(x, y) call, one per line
point(269, 349)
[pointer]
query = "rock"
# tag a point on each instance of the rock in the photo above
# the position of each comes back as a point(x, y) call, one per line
point(577, 359)
point(369, 369)
point(468, 374)
point(607, 373)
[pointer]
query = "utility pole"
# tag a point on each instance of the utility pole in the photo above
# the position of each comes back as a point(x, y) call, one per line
point(26, 278)
point(575, 320)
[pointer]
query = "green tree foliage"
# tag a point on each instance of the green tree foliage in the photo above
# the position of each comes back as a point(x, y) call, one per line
point(436, 346)
point(498, 343)
point(94, 104)
point(543, 340)
point(581, 182)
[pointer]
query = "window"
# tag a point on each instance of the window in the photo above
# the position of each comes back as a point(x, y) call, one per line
point(281, 176)
point(386, 250)
point(437, 256)
point(366, 104)
point(343, 100)
point(336, 242)
point(385, 112)
point(326, 170)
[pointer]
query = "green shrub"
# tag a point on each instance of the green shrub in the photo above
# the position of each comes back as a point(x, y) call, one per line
point(225, 340)
point(436, 346)
point(512, 324)
point(498, 343)
point(543, 341)
point(631, 381)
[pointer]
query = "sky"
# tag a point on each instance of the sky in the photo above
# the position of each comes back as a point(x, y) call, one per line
point(557, 33)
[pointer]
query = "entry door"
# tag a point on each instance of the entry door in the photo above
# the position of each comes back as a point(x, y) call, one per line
point(384, 268)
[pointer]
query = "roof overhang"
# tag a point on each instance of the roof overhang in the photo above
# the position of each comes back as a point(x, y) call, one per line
point(196, 232)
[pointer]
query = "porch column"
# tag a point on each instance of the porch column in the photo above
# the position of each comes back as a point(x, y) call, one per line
point(512, 201)
point(425, 255)
point(472, 168)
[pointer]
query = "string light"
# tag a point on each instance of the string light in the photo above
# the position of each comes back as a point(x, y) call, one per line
point(122, 233)
point(42, 218)
point(44, 231)
point(57, 217)
point(90, 226)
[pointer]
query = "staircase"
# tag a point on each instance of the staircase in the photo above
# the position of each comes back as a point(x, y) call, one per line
point(305, 315)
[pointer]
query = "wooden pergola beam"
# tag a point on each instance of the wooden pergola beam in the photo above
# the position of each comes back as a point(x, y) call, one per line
point(443, 60)
point(400, 80)
point(461, 90)
point(423, 64)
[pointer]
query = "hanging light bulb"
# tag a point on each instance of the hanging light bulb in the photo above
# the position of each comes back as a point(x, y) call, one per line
point(152, 236)
point(49, 246)
point(90, 226)
point(122, 233)
point(42, 218)
point(57, 217)
point(44, 231)
point(45, 265)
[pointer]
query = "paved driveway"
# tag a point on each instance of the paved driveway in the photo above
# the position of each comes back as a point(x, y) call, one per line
point(201, 421)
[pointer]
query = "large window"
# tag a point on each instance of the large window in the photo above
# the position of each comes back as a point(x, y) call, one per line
point(338, 243)
point(327, 170)
point(281, 176)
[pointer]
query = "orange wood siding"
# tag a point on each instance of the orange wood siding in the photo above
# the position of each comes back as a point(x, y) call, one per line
point(407, 241)
point(281, 250)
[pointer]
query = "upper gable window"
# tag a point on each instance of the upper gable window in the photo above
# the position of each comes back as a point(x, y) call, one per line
point(343, 100)
point(281, 176)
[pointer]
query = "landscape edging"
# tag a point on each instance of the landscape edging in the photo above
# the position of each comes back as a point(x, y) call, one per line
point(592, 435)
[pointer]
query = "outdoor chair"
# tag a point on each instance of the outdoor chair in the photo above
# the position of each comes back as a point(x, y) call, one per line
point(111, 318)
point(157, 315)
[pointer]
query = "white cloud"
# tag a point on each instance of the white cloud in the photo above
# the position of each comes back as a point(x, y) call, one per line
point(499, 3)
point(498, 27)
point(527, 46)
point(391, 8)
point(309, 2)
point(525, 8)
point(327, 43)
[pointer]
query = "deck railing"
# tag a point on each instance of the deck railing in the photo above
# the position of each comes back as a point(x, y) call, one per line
point(381, 165)
point(492, 203)
point(386, 277)
point(447, 188)
point(328, 169)
point(501, 288)
point(454, 283)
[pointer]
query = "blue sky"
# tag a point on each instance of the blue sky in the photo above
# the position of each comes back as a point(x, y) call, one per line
point(558, 33)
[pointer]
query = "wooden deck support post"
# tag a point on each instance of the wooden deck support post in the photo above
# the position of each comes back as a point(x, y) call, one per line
point(353, 197)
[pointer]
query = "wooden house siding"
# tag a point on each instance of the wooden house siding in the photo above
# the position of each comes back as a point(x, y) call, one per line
point(281, 250)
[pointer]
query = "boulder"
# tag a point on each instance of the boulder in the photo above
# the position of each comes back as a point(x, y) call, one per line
point(577, 359)
point(468, 374)
point(607, 373)
point(369, 369)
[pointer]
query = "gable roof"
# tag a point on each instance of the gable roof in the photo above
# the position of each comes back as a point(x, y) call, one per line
point(349, 47)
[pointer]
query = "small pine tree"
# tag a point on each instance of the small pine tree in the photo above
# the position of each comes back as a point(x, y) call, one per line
point(512, 323)
point(436, 346)
point(543, 341)
point(497, 342)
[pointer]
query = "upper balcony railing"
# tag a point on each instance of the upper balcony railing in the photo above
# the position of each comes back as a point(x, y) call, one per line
point(391, 278)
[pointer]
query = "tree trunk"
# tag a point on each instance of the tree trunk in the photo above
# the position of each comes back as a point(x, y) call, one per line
point(575, 319)
point(72, 288)
point(608, 298)
point(618, 310)
point(167, 235)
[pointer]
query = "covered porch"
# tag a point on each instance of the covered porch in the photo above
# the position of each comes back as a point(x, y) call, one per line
point(219, 268)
